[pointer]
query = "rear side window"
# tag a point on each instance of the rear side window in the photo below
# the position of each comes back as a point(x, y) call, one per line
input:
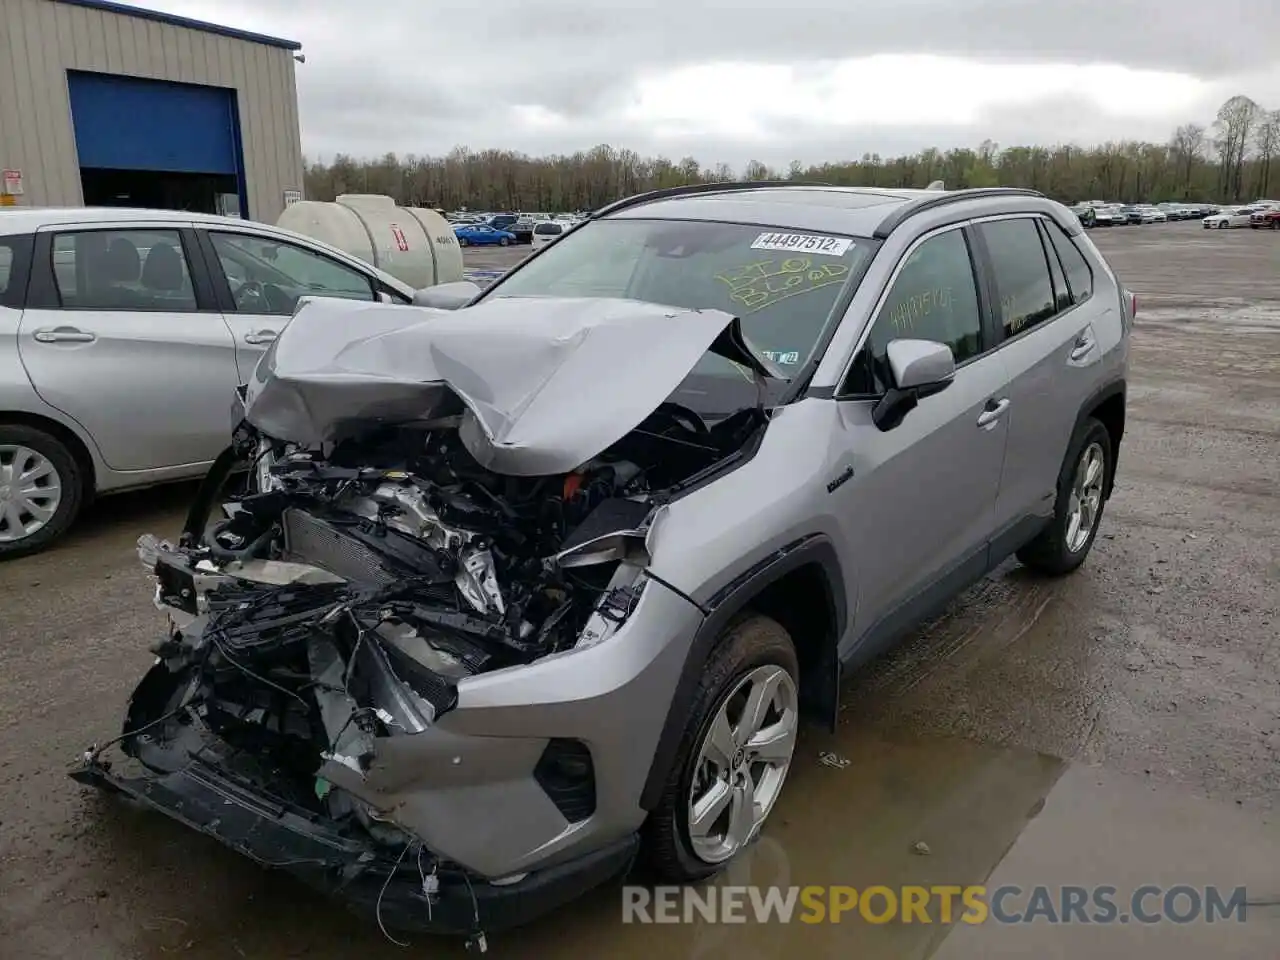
point(1079, 275)
point(1024, 291)
point(15, 252)
point(123, 270)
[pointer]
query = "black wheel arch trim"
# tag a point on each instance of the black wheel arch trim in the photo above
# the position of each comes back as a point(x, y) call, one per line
point(1115, 388)
point(727, 603)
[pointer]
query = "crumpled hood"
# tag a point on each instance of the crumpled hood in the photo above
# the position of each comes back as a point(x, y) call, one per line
point(545, 384)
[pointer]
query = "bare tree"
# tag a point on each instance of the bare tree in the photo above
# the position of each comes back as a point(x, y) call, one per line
point(1187, 146)
point(1234, 124)
point(1266, 144)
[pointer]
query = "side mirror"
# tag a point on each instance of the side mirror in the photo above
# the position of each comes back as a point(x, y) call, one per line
point(920, 368)
point(447, 296)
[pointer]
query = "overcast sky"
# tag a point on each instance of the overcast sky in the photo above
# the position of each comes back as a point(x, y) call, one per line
point(810, 80)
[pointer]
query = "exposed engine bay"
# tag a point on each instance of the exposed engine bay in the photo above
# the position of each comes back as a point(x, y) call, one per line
point(345, 593)
point(400, 513)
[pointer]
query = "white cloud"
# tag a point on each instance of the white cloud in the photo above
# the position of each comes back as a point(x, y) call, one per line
point(893, 90)
point(735, 80)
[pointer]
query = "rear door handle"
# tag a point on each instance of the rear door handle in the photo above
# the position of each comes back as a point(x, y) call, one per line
point(63, 335)
point(1084, 344)
point(261, 337)
point(994, 411)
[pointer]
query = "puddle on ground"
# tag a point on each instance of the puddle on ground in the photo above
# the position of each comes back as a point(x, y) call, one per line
point(857, 824)
point(924, 812)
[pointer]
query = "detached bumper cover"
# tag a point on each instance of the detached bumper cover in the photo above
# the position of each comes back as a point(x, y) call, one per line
point(351, 869)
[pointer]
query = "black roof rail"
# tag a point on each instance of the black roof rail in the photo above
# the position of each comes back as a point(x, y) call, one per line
point(943, 197)
point(693, 189)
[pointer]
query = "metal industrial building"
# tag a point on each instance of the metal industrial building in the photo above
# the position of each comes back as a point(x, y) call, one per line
point(107, 104)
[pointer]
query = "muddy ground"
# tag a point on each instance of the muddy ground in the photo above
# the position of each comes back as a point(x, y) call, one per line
point(1135, 706)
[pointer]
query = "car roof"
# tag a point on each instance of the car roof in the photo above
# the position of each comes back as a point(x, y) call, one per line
point(28, 219)
point(855, 211)
point(851, 211)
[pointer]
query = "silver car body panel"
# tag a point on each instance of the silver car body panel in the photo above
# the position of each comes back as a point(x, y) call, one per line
point(180, 429)
point(547, 383)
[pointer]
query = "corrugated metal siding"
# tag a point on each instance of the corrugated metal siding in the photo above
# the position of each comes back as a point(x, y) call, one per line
point(41, 39)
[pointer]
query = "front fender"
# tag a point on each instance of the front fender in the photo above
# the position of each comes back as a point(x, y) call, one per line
point(721, 609)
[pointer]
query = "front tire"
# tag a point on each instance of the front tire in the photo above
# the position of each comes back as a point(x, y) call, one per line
point(41, 490)
point(1077, 513)
point(464, 242)
point(734, 757)
point(503, 241)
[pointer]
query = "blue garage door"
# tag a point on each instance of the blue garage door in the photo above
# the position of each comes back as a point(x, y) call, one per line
point(126, 123)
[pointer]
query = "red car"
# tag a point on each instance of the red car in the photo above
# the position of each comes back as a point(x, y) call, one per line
point(1265, 218)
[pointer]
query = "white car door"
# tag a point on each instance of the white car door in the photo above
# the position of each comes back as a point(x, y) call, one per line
point(121, 335)
point(261, 279)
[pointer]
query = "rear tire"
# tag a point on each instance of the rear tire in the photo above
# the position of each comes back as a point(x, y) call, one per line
point(1063, 545)
point(464, 242)
point(503, 241)
point(54, 481)
point(755, 653)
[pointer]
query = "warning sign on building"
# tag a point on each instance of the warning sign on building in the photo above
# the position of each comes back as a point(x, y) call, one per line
point(11, 183)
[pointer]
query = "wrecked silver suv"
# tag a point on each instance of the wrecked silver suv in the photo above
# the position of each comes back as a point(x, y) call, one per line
point(482, 603)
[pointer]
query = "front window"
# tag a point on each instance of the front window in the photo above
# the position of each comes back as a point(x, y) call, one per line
point(268, 277)
point(782, 283)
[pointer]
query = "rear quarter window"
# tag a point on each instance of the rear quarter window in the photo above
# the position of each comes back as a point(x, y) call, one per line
point(1079, 274)
point(15, 254)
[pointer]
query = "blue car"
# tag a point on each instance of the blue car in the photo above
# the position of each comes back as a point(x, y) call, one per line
point(479, 235)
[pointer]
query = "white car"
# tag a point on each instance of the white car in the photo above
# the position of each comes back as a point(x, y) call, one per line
point(549, 231)
point(1153, 215)
point(1231, 217)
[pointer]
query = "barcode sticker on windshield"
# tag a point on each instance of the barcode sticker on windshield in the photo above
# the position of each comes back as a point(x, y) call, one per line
point(803, 243)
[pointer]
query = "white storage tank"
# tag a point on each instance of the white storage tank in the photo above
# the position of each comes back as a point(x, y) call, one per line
point(413, 244)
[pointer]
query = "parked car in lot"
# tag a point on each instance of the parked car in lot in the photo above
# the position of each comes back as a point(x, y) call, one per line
point(522, 229)
point(482, 235)
point(1228, 218)
point(1108, 216)
point(548, 231)
point(566, 567)
point(1085, 214)
point(123, 333)
point(1131, 215)
point(1265, 219)
point(1152, 214)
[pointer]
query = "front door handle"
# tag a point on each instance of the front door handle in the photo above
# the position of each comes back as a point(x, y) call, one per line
point(63, 335)
point(994, 411)
point(261, 337)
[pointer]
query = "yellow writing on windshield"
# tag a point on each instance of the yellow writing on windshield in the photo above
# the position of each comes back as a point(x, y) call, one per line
point(765, 282)
point(904, 314)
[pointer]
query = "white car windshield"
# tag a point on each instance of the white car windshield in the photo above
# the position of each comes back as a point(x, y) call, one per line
point(782, 283)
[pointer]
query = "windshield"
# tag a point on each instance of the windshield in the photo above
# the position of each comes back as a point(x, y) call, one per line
point(783, 284)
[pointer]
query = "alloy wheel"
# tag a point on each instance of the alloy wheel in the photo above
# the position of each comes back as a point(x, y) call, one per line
point(1086, 497)
point(30, 492)
point(742, 763)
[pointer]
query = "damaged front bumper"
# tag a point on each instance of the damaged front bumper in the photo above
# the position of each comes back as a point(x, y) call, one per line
point(466, 801)
point(408, 892)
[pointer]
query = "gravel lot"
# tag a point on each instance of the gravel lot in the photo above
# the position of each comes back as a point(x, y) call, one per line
point(1135, 703)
